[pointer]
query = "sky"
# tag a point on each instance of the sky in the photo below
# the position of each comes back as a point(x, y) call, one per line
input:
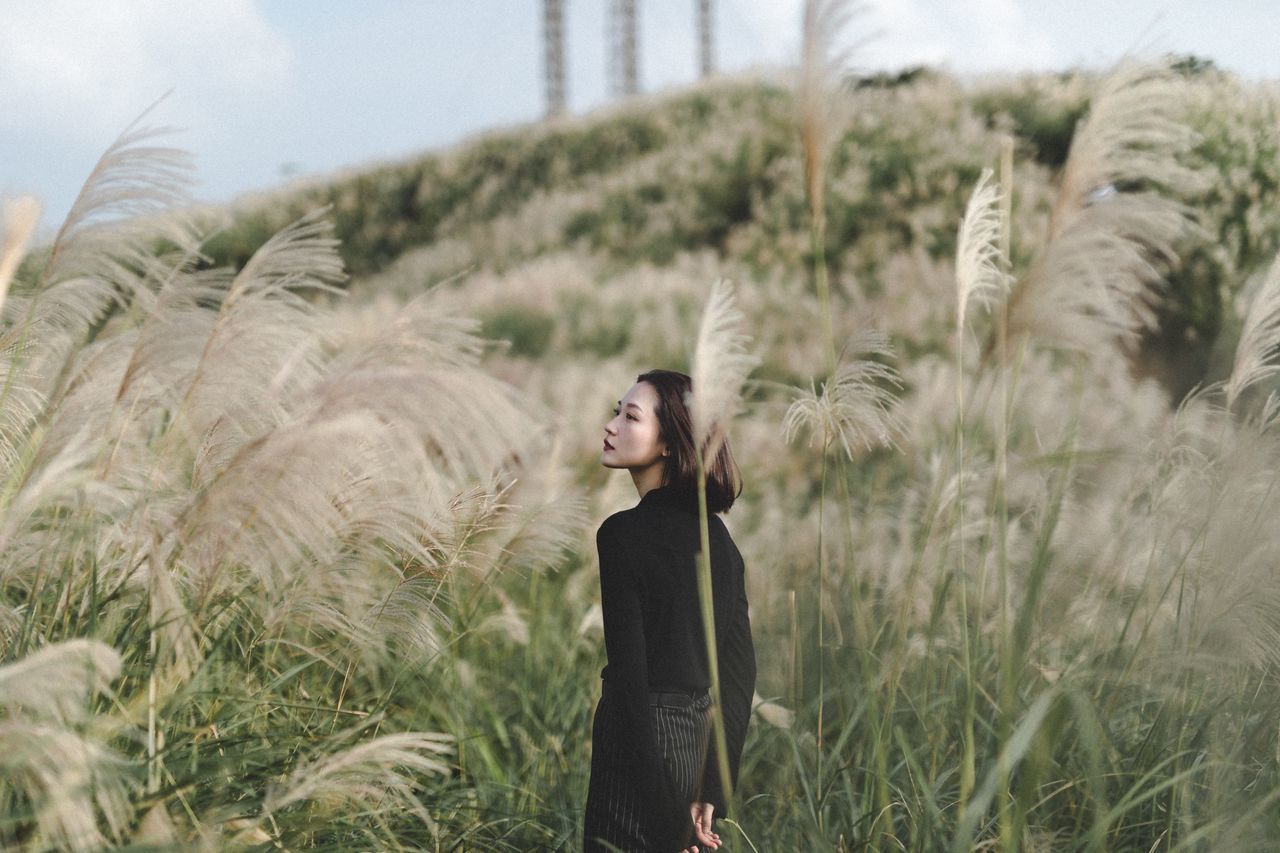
point(264, 90)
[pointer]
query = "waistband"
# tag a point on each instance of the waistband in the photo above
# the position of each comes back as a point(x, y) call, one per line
point(671, 697)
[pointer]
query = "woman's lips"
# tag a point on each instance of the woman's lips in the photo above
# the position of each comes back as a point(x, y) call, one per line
point(607, 445)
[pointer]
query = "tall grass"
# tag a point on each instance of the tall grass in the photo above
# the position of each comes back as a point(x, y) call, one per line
point(231, 522)
point(285, 568)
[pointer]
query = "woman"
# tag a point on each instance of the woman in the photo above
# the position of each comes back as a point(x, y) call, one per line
point(655, 776)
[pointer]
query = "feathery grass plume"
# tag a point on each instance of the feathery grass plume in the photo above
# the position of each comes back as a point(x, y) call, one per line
point(11, 624)
point(720, 366)
point(820, 69)
point(1186, 554)
point(1259, 340)
point(126, 385)
point(160, 362)
point(20, 402)
point(46, 495)
point(1135, 131)
point(264, 341)
point(506, 622)
point(411, 617)
point(20, 217)
point(365, 473)
point(104, 254)
point(55, 681)
point(71, 782)
point(100, 262)
point(133, 178)
point(304, 254)
point(49, 753)
point(821, 66)
point(979, 276)
point(537, 531)
point(381, 775)
point(423, 329)
point(1115, 218)
point(857, 407)
point(1269, 413)
point(304, 492)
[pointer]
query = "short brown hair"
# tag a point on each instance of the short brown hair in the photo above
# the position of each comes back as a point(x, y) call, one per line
point(675, 427)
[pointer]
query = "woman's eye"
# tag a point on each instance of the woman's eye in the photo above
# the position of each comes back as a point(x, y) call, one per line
point(615, 412)
point(631, 417)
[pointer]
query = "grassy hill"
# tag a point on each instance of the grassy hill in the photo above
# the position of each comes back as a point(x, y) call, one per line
point(718, 168)
point(296, 560)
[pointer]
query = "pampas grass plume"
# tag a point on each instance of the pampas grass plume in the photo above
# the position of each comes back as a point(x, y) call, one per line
point(367, 773)
point(720, 366)
point(57, 680)
point(1116, 217)
point(979, 277)
point(857, 408)
point(46, 751)
point(820, 68)
point(1260, 339)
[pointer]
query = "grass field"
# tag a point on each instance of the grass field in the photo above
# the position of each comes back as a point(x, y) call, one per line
point(291, 560)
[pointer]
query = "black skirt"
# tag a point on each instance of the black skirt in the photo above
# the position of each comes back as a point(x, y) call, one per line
point(614, 820)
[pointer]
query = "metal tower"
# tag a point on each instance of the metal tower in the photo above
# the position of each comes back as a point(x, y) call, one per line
point(706, 39)
point(624, 78)
point(553, 55)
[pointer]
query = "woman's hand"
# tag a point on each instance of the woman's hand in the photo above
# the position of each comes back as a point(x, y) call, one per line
point(701, 814)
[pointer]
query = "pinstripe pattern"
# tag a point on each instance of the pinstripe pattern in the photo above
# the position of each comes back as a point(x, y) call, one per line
point(613, 816)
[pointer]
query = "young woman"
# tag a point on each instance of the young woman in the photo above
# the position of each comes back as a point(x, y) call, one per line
point(655, 776)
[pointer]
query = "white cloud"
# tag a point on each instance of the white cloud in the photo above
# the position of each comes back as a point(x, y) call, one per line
point(902, 33)
point(79, 72)
point(973, 35)
point(1004, 38)
point(773, 25)
point(964, 35)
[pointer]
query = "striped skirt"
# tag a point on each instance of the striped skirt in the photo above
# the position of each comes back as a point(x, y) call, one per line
point(613, 820)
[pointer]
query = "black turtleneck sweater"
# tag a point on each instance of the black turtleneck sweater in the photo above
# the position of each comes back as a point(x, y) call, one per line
point(654, 640)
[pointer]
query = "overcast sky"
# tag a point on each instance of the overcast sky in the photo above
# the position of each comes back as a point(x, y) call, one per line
point(270, 88)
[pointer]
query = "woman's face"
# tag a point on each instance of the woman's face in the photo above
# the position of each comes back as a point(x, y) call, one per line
point(631, 439)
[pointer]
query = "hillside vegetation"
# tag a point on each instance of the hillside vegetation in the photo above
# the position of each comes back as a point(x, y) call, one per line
point(297, 560)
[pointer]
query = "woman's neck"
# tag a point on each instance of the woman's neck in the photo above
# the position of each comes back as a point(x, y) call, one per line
point(647, 479)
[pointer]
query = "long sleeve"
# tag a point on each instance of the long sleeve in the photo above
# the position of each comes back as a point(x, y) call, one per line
point(737, 661)
point(621, 593)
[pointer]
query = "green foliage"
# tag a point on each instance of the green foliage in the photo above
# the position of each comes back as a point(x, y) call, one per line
point(1240, 212)
point(593, 332)
point(527, 330)
point(1046, 124)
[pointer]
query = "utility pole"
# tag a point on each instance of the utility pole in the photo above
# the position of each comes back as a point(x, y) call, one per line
point(624, 78)
point(553, 55)
point(706, 39)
